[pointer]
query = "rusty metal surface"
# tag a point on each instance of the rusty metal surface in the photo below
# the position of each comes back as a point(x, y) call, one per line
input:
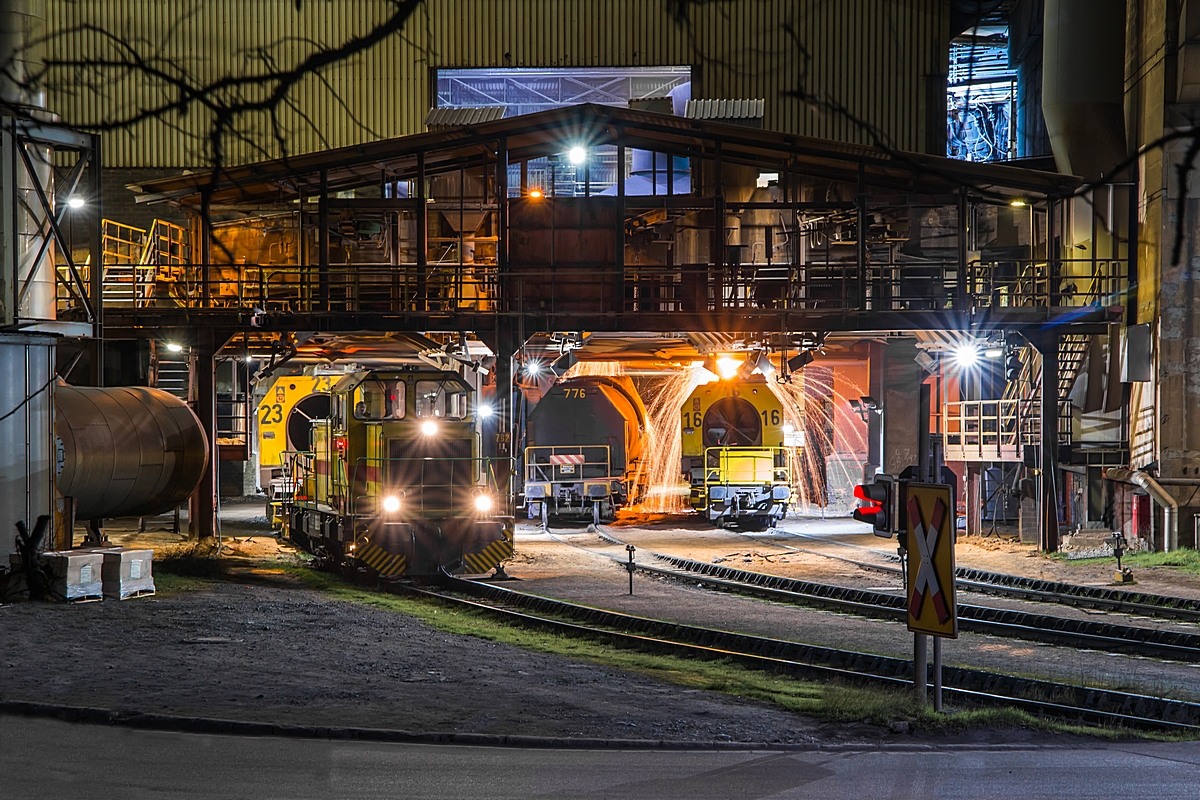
point(127, 451)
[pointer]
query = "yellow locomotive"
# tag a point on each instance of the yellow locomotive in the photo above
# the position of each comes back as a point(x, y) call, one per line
point(394, 482)
point(289, 408)
point(733, 451)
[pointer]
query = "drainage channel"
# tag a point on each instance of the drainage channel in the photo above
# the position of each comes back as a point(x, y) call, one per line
point(1043, 591)
point(964, 686)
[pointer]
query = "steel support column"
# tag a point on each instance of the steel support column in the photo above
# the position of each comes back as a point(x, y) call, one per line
point(875, 419)
point(1047, 345)
point(96, 255)
point(323, 243)
point(202, 507)
point(422, 234)
point(974, 500)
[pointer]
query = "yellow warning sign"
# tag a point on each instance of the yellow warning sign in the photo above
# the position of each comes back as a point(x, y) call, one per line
point(932, 608)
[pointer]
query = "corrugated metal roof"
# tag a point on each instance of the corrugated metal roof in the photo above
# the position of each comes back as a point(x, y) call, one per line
point(536, 135)
point(725, 109)
point(439, 118)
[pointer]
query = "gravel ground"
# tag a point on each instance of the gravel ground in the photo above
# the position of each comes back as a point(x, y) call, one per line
point(290, 655)
point(557, 569)
point(278, 652)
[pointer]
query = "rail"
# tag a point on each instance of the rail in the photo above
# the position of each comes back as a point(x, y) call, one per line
point(962, 684)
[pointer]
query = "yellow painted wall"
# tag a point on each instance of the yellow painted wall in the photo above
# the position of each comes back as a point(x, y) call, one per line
point(878, 58)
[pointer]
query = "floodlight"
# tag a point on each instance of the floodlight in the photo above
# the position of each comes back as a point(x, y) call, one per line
point(577, 155)
point(966, 355)
point(75, 202)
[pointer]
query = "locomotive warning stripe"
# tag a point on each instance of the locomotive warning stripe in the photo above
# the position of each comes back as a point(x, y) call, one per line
point(381, 561)
point(568, 459)
point(489, 557)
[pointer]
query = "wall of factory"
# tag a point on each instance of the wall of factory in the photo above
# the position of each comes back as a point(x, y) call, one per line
point(1163, 93)
point(882, 61)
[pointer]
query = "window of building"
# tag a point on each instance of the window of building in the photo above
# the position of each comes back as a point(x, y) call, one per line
point(981, 94)
point(523, 90)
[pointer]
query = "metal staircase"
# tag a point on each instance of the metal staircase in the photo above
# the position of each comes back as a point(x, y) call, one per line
point(173, 374)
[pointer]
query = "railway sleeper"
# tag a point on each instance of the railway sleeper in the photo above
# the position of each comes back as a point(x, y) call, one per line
point(977, 619)
point(964, 684)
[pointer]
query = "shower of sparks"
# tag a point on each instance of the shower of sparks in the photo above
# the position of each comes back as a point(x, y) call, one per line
point(661, 472)
point(809, 405)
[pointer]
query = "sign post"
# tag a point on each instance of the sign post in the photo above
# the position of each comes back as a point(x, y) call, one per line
point(929, 578)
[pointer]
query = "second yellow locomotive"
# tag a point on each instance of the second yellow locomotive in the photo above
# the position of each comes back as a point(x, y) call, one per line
point(733, 453)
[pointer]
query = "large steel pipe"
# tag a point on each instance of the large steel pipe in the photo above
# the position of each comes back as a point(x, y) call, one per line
point(127, 451)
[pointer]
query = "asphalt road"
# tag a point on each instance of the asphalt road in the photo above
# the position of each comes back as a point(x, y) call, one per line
point(43, 758)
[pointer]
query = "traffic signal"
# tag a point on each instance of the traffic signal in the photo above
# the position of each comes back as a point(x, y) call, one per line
point(879, 500)
point(1012, 366)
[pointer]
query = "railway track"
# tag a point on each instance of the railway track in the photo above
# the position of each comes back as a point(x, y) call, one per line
point(1005, 623)
point(962, 686)
point(1015, 586)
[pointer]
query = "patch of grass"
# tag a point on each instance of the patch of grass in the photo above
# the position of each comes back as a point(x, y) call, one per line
point(838, 703)
point(1184, 560)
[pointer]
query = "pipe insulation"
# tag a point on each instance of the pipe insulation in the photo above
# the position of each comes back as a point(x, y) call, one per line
point(1083, 85)
point(1160, 496)
point(127, 451)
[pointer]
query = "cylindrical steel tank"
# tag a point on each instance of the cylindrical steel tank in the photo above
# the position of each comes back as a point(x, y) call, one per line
point(22, 33)
point(127, 451)
point(591, 410)
point(1083, 85)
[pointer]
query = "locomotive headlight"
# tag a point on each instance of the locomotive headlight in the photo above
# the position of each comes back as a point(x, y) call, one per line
point(391, 504)
point(429, 428)
point(486, 411)
point(483, 503)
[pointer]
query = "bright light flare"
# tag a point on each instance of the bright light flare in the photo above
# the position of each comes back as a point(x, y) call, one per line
point(533, 368)
point(174, 348)
point(485, 412)
point(429, 428)
point(483, 503)
point(727, 367)
point(1017, 203)
point(577, 155)
point(994, 352)
point(965, 355)
point(75, 202)
point(391, 504)
point(535, 194)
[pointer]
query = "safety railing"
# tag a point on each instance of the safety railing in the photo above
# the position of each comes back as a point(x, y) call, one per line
point(597, 290)
point(987, 430)
point(997, 430)
point(556, 464)
point(727, 466)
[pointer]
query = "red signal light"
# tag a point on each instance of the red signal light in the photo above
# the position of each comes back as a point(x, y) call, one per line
point(875, 506)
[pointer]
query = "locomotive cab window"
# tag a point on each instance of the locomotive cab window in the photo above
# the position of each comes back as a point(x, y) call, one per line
point(441, 399)
point(377, 400)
